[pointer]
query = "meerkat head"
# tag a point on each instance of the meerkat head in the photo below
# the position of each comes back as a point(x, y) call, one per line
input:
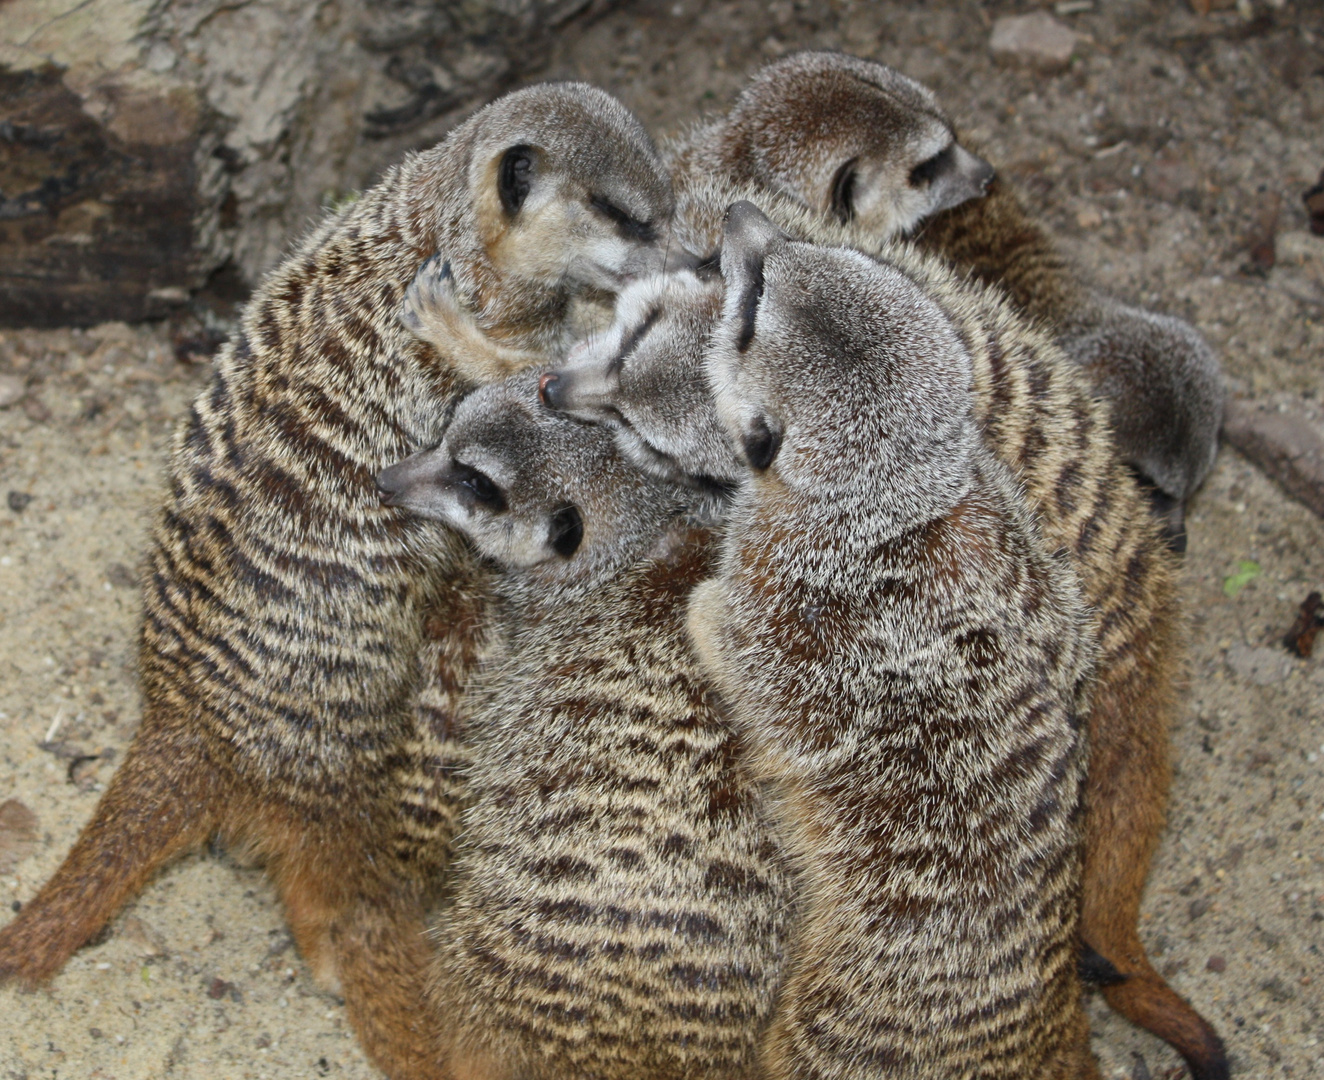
point(834, 373)
point(852, 139)
point(643, 379)
point(531, 488)
point(568, 188)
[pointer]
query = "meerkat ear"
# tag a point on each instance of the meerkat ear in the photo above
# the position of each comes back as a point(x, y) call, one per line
point(760, 443)
point(745, 241)
point(566, 532)
point(843, 191)
point(515, 177)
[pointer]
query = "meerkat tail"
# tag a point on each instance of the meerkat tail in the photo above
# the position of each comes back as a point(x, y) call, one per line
point(382, 957)
point(161, 803)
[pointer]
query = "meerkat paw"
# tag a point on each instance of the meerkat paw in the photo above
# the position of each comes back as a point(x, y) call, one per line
point(433, 312)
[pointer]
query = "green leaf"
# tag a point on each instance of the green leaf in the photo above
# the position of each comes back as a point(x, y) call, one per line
point(1247, 572)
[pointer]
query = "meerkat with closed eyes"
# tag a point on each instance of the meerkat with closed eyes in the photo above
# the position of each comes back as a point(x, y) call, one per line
point(618, 906)
point(905, 661)
point(856, 141)
point(290, 618)
point(1042, 419)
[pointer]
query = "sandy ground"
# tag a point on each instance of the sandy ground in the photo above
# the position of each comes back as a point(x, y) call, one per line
point(1153, 157)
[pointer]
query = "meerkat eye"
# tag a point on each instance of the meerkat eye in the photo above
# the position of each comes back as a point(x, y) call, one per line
point(749, 306)
point(843, 192)
point(628, 226)
point(761, 444)
point(927, 171)
point(709, 268)
point(566, 532)
point(632, 342)
point(515, 177)
point(479, 486)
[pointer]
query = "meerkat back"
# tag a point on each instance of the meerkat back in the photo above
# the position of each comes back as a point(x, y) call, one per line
point(619, 907)
point(285, 606)
point(906, 662)
point(857, 141)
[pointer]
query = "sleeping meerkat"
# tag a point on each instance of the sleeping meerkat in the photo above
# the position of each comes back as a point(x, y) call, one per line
point(618, 904)
point(1041, 418)
point(285, 606)
point(904, 660)
point(856, 141)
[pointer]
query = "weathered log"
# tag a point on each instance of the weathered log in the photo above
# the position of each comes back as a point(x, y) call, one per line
point(146, 143)
point(1285, 440)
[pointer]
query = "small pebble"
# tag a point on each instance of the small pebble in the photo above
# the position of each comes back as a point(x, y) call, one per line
point(1216, 964)
point(1036, 40)
point(12, 389)
point(18, 501)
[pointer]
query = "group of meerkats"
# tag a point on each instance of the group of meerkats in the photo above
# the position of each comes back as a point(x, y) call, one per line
point(789, 694)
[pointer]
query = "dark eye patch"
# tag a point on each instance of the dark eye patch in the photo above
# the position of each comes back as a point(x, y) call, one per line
point(566, 532)
point(479, 487)
point(843, 192)
point(761, 444)
point(928, 171)
point(749, 305)
point(632, 342)
point(628, 226)
point(709, 268)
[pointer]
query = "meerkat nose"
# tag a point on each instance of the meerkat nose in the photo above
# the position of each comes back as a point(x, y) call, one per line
point(390, 483)
point(548, 389)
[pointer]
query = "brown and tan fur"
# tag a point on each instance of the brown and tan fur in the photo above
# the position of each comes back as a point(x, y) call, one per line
point(905, 661)
point(1041, 418)
point(619, 903)
point(857, 141)
point(285, 607)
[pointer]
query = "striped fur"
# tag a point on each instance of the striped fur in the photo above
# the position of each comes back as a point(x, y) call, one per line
point(619, 906)
point(904, 660)
point(289, 616)
point(1040, 418)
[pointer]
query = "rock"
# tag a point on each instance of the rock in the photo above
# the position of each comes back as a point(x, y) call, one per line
point(121, 576)
point(12, 389)
point(1036, 40)
point(1261, 239)
point(146, 941)
point(18, 501)
point(1261, 666)
point(1216, 964)
point(1314, 200)
point(1089, 217)
point(1284, 439)
point(18, 834)
point(147, 145)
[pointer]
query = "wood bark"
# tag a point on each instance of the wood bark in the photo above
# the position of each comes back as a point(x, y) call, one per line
point(147, 144)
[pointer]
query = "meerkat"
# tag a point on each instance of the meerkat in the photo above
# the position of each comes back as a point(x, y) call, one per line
point(856, 141)
point(618, 903)
point(1041, 418)
point(904, 659)
point(289, 615)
